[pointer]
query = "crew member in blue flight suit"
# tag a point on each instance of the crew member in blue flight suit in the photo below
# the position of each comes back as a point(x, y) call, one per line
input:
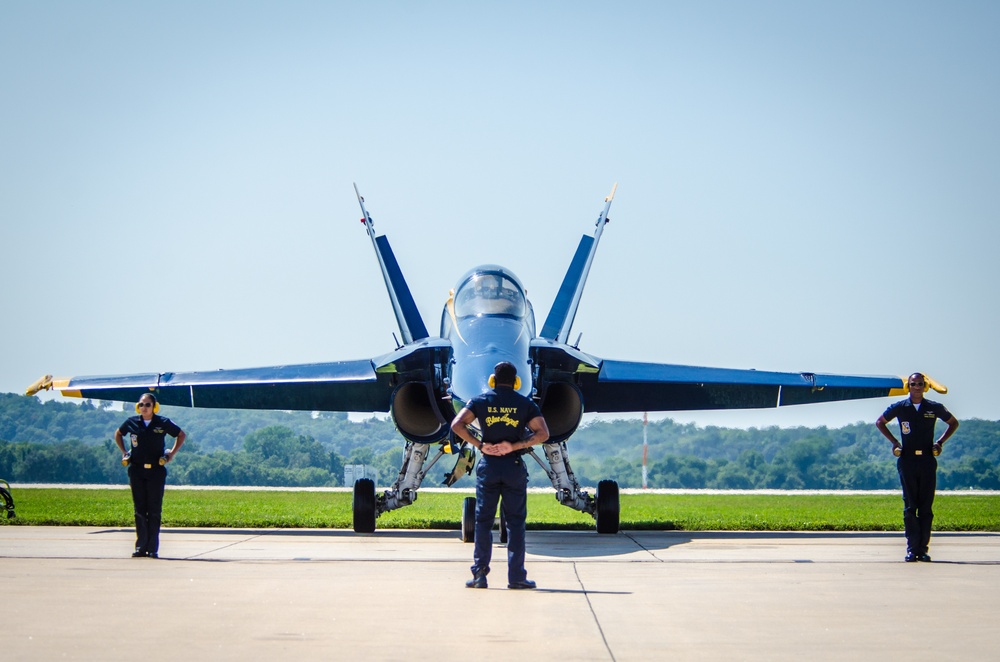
point(510, 424)
point(917, 464)
point(146, 457)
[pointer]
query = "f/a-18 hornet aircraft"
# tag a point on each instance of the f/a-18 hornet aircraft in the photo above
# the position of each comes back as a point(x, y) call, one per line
point(427, 379)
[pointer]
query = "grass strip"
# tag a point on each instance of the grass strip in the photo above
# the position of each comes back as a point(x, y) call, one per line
point(684, 512)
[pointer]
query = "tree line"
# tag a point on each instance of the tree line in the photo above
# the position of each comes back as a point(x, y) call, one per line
point(63, 442)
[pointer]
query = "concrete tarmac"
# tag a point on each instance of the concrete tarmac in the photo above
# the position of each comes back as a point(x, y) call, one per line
point(225, 594)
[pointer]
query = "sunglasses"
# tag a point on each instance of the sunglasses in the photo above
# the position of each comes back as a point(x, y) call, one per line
point(145, 404)
point(920, 384)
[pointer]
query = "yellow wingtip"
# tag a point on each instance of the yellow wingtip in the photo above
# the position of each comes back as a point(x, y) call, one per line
point(50, 383)
point(43, 383)
point(936, 385)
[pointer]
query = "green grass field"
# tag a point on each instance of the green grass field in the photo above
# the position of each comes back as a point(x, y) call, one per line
point(435, 510)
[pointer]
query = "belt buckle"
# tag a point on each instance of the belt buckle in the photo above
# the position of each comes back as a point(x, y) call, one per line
point(150, 466)
point(918, 452)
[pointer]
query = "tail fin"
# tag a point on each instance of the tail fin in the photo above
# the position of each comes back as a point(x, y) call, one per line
point(560, 320)
point(411, 325)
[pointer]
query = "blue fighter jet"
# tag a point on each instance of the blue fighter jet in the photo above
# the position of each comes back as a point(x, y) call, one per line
point(427, 379)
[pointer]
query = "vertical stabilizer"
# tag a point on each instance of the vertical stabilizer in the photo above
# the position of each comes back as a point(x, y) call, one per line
point(411, 325)
point(560, 320)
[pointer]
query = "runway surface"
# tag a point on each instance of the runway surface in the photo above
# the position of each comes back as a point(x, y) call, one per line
point(227, 594)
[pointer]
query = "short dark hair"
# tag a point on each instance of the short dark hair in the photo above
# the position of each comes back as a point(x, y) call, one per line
point(916, 374)
point(155, 401)
point(505, 373)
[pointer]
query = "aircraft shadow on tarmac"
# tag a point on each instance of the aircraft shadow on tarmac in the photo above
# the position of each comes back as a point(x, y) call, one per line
point(580, 544)
point(567, 545)
point(563, 544)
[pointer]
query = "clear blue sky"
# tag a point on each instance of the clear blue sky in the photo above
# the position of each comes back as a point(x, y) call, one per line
point(802, 186)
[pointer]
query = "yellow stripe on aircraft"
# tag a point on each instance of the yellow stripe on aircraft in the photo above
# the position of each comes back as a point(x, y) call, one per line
point(47, 383)
point(450, 305)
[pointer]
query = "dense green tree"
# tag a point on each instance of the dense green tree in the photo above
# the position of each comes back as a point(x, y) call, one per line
point(361, 455)
point(71, 442)
point(733, 477)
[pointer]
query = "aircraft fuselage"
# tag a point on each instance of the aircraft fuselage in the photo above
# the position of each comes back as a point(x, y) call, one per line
point(487, 320)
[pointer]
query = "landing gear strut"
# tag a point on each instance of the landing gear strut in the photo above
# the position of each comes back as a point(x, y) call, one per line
point(605, 508)
point(368, 505)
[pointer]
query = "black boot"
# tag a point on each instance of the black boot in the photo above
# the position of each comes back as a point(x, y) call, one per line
point(478, 580)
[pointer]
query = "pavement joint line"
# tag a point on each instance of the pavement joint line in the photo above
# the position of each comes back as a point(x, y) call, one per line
point(593, 613)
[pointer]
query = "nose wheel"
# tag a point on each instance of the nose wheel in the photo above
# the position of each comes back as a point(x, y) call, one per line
point(469, 521)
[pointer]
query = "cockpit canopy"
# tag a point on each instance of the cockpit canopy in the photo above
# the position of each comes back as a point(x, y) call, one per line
point(487, 291)
point(490, 292)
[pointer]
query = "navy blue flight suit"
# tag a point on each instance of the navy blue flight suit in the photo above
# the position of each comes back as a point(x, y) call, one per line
point(146, 476)
point(917, 467)
point(503, 415)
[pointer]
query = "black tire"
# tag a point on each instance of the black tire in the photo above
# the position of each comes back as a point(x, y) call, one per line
point(7, 502)
point(469, 519)
point(608, 507)
point(364, 506)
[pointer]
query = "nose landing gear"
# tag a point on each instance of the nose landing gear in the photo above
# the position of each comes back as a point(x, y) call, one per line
point(469, 521)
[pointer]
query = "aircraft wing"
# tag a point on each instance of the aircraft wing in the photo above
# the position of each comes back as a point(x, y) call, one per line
point(626, 386)
point(363, 385)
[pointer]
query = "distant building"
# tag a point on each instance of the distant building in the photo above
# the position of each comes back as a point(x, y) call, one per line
point(355, 472)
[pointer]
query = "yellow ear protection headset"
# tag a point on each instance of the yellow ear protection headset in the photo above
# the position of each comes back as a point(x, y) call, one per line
point(156, 405)
point(493, 382)
point(500, 366)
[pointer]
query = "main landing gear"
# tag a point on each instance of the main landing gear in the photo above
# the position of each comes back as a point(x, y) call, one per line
point(7, 500)
point(604, 506)
point(368, 506)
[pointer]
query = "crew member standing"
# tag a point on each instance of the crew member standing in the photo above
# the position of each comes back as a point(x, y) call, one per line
point(510, 423)
point(147, 475)
point(917, 464)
